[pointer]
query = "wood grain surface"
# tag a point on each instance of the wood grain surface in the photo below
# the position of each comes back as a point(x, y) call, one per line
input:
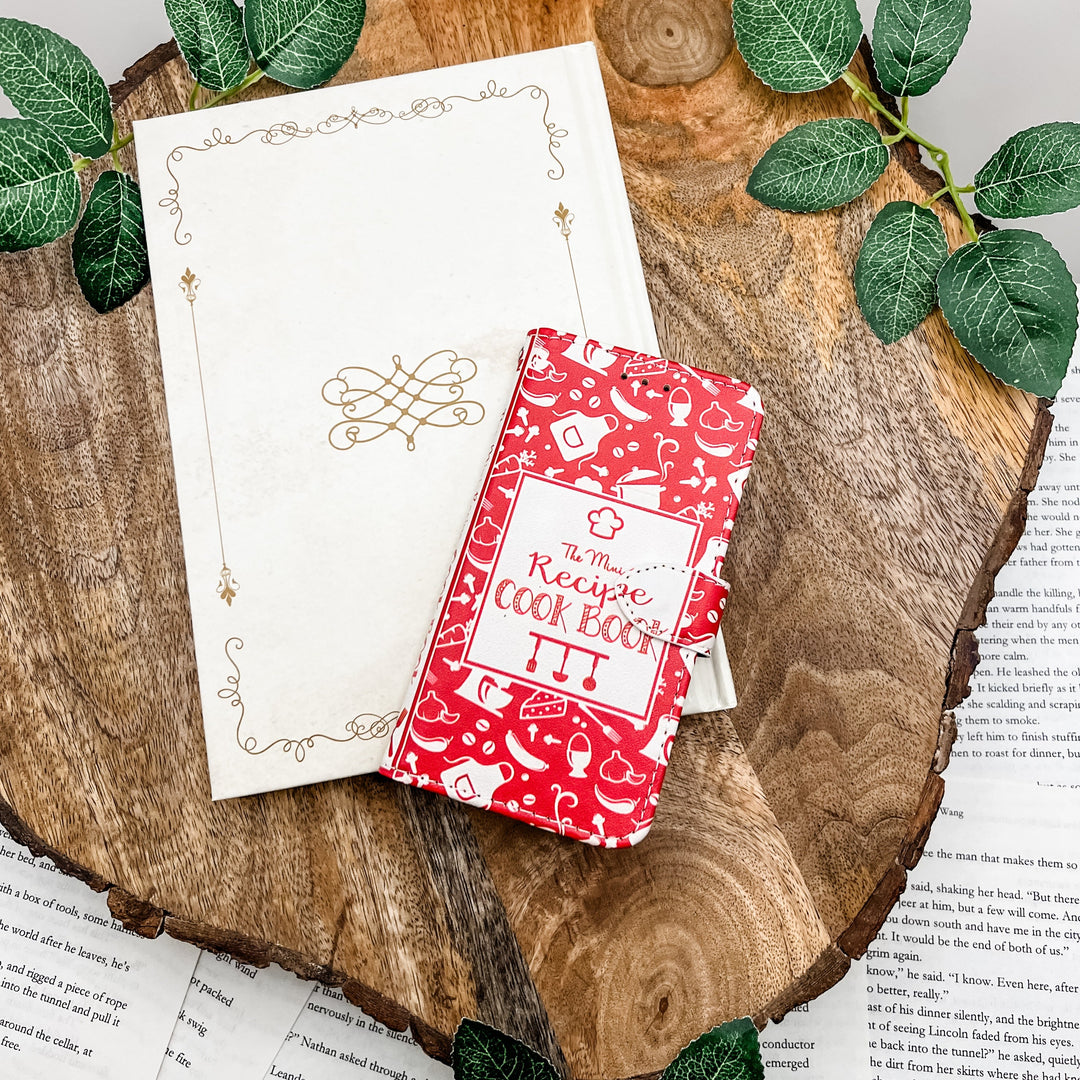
point(890, 486)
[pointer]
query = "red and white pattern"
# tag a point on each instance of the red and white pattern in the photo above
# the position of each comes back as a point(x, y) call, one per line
point(586, 587)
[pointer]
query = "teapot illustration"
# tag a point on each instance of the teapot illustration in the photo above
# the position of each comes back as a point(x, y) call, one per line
point(577, 435)
point(470, 781)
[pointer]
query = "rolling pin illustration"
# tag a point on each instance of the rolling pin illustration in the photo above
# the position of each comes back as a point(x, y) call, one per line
point(522, 756)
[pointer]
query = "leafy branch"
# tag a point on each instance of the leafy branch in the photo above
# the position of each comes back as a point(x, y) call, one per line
point(941, 158)
point(66, 123)
point(1007, 296)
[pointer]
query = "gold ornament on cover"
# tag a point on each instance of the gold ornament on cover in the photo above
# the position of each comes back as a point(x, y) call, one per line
point(375, 403)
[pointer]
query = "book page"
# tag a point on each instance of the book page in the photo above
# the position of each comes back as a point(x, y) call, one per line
point(1022, 719)
point(974, 973)
point(80, 996)
point(333, 1040)
point(825, 1036)
point(233, 1021)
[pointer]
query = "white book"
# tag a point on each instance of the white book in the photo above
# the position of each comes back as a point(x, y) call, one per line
point(342, 281)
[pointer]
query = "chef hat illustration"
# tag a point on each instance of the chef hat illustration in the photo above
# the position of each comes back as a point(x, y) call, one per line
point(604, 523)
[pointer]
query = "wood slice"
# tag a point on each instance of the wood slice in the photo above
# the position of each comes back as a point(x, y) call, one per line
point(890, 486)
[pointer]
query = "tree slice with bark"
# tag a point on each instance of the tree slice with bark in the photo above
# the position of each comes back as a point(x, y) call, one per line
point(889, 487)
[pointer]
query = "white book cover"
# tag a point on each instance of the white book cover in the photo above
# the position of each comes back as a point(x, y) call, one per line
point(342, 280)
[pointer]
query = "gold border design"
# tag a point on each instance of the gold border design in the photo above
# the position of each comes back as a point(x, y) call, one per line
point(422, 108)
point(227, 585)
point(362, 726)
point(374, 404)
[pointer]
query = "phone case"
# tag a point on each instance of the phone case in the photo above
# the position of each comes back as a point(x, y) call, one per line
point(586, 586)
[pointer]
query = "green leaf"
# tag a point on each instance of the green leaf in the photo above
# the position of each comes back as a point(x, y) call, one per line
point(915, 41)
point(302, 42)
point(39, 191)
point(797, 45)
point(1037, 171)
point(819, 165)
point(1012, 303)
point(484, 1053)
point(109, 249)
point(210, 34)
point(896, 275)
point(51, 80)
point(728, 1052)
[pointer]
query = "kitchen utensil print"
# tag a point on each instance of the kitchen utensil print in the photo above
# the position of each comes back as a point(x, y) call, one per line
point(658, 748)
point(579, 436)
point(523, 756)
point(578, 755)
point(484, 544)
point(609, 425)
point(606, 728)
point(560, 674)
point(630, 488)
point(473, 782)
point(712, 556)
point(563, 822)
point(617, 770)
point(597, 356)
point(431, 723)
point(490, 692)
point(679, 406)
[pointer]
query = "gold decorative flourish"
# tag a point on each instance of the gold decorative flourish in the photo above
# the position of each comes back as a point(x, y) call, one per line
point(227, 587)
point(374, 403)
point(362, 726)
point(564, 219)
point(189, 283)
point(422, 108)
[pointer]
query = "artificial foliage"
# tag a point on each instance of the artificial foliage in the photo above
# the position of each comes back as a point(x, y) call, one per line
point(302, 43)
point(39, 191)
point(819, 165)
point(915, 41)
point(66, 123)
point(1012, 279)
point(108, 250)
point(797, 45)
point(896, 273)
point(210, 35)
point(1012, 303)
point(51, 80)
point(728, 1052)
point(484, 1053)
point(1007, 295)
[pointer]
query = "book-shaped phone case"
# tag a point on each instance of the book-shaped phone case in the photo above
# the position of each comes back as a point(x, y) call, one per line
point(586, 585)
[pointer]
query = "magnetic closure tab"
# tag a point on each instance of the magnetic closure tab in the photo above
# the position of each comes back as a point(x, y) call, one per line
point(677, 604)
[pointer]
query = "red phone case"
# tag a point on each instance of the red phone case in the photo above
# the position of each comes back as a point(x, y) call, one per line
point(585, 588)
